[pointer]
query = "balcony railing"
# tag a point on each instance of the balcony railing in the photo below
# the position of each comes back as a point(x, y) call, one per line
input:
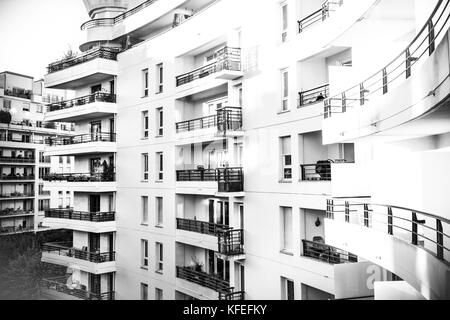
point(102, 22)
point(17, 195)
point(233, 295)
point(17, 177)
point(70, 214)
point(60, 284)
point(201, 227)
point(83, 138)
point(228, 59)
point(80, 177)
point(319, 15)
point(44, 193)
point(228, 179)
point(321, 171)
point(15, 229)
point(312, 96)
point(231, 242)
point(326, 253)
point(67, 250)
point(399, 69)
point(15, 212)
point(103, 53)
point(24, 94)
point(95, 97)
point(398, 222)
point(203, 279)
point(228, 118)
point(23, 139)
point(17, 160)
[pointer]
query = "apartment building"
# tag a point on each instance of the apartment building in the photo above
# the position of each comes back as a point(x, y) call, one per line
point(220, 153)
point(22, 161)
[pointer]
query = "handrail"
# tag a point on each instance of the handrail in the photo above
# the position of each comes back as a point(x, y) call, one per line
point(17, 195)
point(19, 178)
point(406, 59)
point(314, 95)
point(202, 227)
point(71, 214)
point(81, 177)
point(226, 118)
point(67, 249)
point(231, 242)
point(327, 253)
point(83, 138)
point(94, 97)
point(396, 218)
point(17, 160)
point(203, 279)
point(318, 15)
point(59, 284)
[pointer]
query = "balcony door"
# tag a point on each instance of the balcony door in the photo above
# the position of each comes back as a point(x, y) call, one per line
point(95, 167)
point(94, 203)
point(96, 88)
point(94, 242)
point(223, 213)
point(218, 159)
point(96, 129)
point(94, 283)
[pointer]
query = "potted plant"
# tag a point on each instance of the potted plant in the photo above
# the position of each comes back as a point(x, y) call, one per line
point(198, 266)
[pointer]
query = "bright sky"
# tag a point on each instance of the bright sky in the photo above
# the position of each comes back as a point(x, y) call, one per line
point(34, 33)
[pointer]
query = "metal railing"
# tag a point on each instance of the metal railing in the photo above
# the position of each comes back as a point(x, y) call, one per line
point(67, 250)
point(103, 53)
point(326, 253)
point(203, 279)
point(14, 229)
point(321, 171)
point(111, 21)
point(228, 118)
point(17, 160)
point(80, 177)
point(312, 96)
point(59, 284)
point(399, 69)
point(17, 195)
point(95, 97)
point(228, 58)
point(399, 222)
point(319, 15)
point(231, 242)
point(233, 295)
point(17, 177)
point(44, 193)
point(228, 179)
point(71, 214)
point(83, 138)
point(202, 227)
point(13, 212)
point(24, 94)
point(26, 124)
point(23, 139)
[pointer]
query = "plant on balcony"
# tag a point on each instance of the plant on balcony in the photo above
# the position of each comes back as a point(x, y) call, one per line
point(108, 172)
point(5, 117)
point(198, 266)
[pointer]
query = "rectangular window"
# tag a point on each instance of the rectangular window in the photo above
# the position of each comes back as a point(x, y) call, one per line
point(158, 294)
point(159, 166)
point(286, 229)
point(145, 82)
point(144, 254)
point(144, 204)
point(145, 124)
point(159, 122)
point(284, 90)
point(144, 291)
point(287, 287)
point(159, 257)
point(159, 78)
point(7, 104)
point(145, 166)
point(61, 161)
point(284, 22)
point(26, 107)
point(286, 158)
point(159, 211)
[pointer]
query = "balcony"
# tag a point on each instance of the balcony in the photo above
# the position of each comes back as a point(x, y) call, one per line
point(24, 139)
point(9, 212)
point(95, 105)
point(96, 65)
point(221, 180)
point(10, 178)
point(313, 96)
point(323, 252)
point(233, 295)
point(15, 229)
point(227, 67)
point(321, 171)
point(16, 195)
point(91, 143)
point(82, 182)
point(319, 15)
point(43, 193)
point(19, 93)
point(96, 222)
point(17, 160)
point(203, 279)
point(59, 284)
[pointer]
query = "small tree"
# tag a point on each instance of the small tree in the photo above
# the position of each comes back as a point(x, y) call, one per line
point(5, 116)
point(69, 54)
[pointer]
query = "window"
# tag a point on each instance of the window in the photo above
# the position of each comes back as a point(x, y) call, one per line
point(7, 104)
point(286, 158)
point(44, 205)
point(159, 257)
point(61, 161)
point(158, 294)
point(159, 78)
point(144, 254)
point(287, 287)
point(159, 211)
point(159, 165)
point(145, 124)
point(286, 229)
point(69, 160)
point(26, 107)
point(145, 82)
point(144, 291)
point(284, 22)
point(144, 208)
point(284, 90)
point(145, 166)
point(39, 108)
point(159, 122)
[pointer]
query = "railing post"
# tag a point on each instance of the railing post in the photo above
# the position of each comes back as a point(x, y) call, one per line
point(347, 212)
point(440, 239)
point(344, 102)
point(366, 215)
point(361, 94)
point(431, 37)
point(390, 222)
point(415, 237)
point(385, 81)
point(408, 63)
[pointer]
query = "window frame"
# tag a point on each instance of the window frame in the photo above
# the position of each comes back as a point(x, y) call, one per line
point(144, 254)
point(159, 257)
point(145, 83)
point(145, 167)
point(284, 89)
point(159, 78)
point(145, 125)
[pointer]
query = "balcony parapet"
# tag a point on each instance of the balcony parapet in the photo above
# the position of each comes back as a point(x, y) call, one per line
point(326, 253)
point(226, 119)
point(16, 195)
point(67, 250)
point(201, 227)
point(23, 94)
point(228, 179)
point(15, 229)
point(9, 212)
point(17, 177)
point(80, 177)
point(60, 284)
point(319, 15)
point(70, 214)
point(228, 59)
point(92, 98)
point(17, 160)
point(312, 96)
point(203, 279)
point(83, 138)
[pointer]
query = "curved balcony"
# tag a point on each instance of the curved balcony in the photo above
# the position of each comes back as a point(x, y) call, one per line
point(60, 285)
point(411, 244)
point(412, 85)
point(96, 65)
point(326, 253)
point(95, 105)
point(91, 143)
point(95, 222)
point(319, 15)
